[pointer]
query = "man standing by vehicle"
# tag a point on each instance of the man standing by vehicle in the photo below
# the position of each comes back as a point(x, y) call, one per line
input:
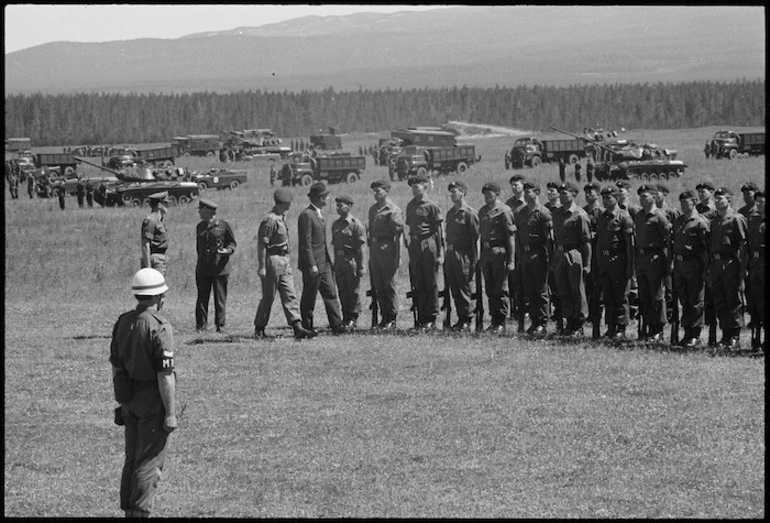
point(215, 244)
point(89, 193)
point(385, 227)
point(274, 269)
point(315, 262)
point(31, 185)
point(348, 239)
point(426, 251)
point(462, 235)
point(155, 234)
point(144, 379)
point(80, 190)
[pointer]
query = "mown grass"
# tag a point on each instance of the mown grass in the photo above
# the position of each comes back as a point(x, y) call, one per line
point(362, 425)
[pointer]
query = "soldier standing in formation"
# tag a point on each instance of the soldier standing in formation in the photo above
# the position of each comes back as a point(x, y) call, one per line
point(80, 190)
point(155, 234)
point(707, 209)
point(625, 203)
point(496, 231)
point(31, 186)
point(562, 168)
point(727, 248)
point(215, 244)
point(89, 193)
point(516, 202)
point(756, 288)
point(552, 195)
point(62, 195)
point(348, 239)
point(671, 215)
point(690, 250)
point(385, 227)
point(315, 263)
point(426, 251)
point(578, 172)
point(462, 235)
point(590, 168)
point(614, 262)
point(534, 239)
point(572, 258)
point(593, 209)
point(653, 236)
point(274, 268)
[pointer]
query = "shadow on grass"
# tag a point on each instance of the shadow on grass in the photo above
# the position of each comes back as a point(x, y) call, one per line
point(92, 337)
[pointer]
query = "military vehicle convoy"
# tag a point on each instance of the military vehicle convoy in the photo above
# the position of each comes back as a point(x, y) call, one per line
point(729, 144)
point(531, 152)
point(305, 169)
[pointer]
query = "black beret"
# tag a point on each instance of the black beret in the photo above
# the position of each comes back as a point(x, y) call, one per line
point(491, 186)
point(646, 187)
point(346, 199)
point(516, 178)
point(569, 186)
point(623, 184)
point(459, 185)
point(609, 190)
point(687, 195)
point(663, 188)
point(531, 185)
point(419, 178)
point(749, 186)
point(552, 185)
point(385, 184)
point(705, 185)
point(723, 191)
point(591, 187)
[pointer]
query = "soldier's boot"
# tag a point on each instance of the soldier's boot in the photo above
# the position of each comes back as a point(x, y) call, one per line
point(301, 332)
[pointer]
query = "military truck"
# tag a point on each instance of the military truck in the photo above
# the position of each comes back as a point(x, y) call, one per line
point(17, 144)
point(531, 152)
point(159, 156)
point(729, 144)
point(197, 145)
point(257, 142)
point(330, 141)
point(417, 160)
point(65, 163)
point(332, 168)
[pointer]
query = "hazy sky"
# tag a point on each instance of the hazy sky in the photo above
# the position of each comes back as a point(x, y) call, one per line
point(28, 25)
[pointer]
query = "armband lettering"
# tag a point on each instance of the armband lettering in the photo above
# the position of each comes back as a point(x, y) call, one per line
point(167, 362)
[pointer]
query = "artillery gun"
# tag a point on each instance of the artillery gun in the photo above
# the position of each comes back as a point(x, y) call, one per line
point(134, 186)
point(625, 160)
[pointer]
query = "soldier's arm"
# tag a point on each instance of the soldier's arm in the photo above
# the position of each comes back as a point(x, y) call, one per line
point(229, 240)
point(359, 237)
point(164, 346)
point(304, 233)
point(146, 237)
point(630, 247)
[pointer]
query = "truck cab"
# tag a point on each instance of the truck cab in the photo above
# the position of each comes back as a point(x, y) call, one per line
point(526, 151)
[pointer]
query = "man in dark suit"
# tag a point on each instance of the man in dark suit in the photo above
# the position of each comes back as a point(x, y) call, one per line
point(315, 262)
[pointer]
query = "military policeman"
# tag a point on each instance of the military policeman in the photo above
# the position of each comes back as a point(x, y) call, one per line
point(144, 379)
point(496, 231)
point(614, 261)
point(155, 234)
point(274, 269)
point(533, 245)
point(384, 231)
point(348, 239)
point(426, 250)
point(462, 235)
point(516, 202)
point(653, 236)
point(757, 237)
point(690, 252)
point(215, 244)
point(727, 269)
point(572, 258)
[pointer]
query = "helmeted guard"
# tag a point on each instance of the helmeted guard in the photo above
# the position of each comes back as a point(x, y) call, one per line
point(155, 234)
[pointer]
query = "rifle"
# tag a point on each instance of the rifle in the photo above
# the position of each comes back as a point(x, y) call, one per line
point(412, 294)
point(374, 306)
point(479, 295)
point(447, 304)
point(674, 312)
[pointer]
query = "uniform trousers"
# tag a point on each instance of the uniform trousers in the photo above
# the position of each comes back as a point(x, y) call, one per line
point(349, 287)
point(533, 273)
point(324, 283)
point(650, 272)
point(725, 278)
point(424, 269)
point(383, 263)
point(205, 283)
point(493, 268)
point(159, 262)
point(757, 287)
point(278, 278)
point(458, 271)
point(613, 278)
point(690, 284)
point(568, 276)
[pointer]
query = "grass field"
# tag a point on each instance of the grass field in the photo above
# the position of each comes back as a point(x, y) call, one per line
point(361, 425)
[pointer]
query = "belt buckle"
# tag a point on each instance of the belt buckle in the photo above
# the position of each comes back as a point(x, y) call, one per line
point(756, 254)
point(560, 248)
point(527, 248)
point(606, 253)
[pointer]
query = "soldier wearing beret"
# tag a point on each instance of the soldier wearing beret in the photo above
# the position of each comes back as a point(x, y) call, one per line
point(552, 195)
point(215, 244)
point(533, 244)
point(727, 268)
point(155, 234)
point(671, 215)
point(496, 232)
point(614, 261)
point(274, 268)
point(707, 209)
point(462, 235)
point(516, 202)
point(625, 203)
point(749, 190)
point(757, 237)
point(653, 236)
point(348, 239)
point(690, 252)
point(315, 262)
point(426, 250)
point(593, 209)
point(571, 258)
point(384, 230)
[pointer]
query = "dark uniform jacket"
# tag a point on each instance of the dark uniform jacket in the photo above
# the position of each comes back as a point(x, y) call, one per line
point(495, 226)
point(311, 241)
point(653, 230)
point(691, 237)
point(533, 228)
point(614, 230)
point(462, 229)
point(154, 229)
point(571, 227)
point(386, 223)
point(728, 234)
point(348, 238)
point(211, 237)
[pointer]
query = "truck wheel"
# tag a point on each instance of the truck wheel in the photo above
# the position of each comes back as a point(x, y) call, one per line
point(187, 155)
point(732, 154)
point(422, 171)
point(209, 154)
point(351, 177)
point(234, 185)
point(69, 171)
point(644, 177)
point(306, 180)
point(462, 168)
point(136, 202)
point(55, 192)
point(146, 202)
point(536, 161)
point(168, 164)
point(573, 159)
point(202, 186)
point(184, 199)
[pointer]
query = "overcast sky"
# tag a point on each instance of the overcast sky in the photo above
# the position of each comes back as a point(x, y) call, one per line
point(28, 25)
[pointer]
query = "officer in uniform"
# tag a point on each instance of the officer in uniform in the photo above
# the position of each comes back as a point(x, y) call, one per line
point(497, 233)
point(533, 245)
point(274, 268)
point(426, 250)
point(707, 209)
point(757, 237)
point(80, 190)
point(727, 248)
point(215, 244)
point(516, 202)
point(572, 258)
point(614, 261)
point(593, 209)
point(653, 236)
point(690, 252)
point(462, 235)
point(385, 227)
point(144, 379)
point(348, 239)
point(155, 234)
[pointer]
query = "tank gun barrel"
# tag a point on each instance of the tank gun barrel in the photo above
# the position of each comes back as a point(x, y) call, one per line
point(233, 135)
point(586, 138)
point(103, 168)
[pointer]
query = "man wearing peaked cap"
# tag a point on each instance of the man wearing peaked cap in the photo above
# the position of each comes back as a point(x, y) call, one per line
point(155, 234)
point(315, 261)
point(348, 239)
point(215, 244)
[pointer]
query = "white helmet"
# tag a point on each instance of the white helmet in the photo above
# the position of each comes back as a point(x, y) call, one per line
point(148, 282)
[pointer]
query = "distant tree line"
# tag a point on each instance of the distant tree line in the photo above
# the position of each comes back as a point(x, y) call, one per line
point(144, 118)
